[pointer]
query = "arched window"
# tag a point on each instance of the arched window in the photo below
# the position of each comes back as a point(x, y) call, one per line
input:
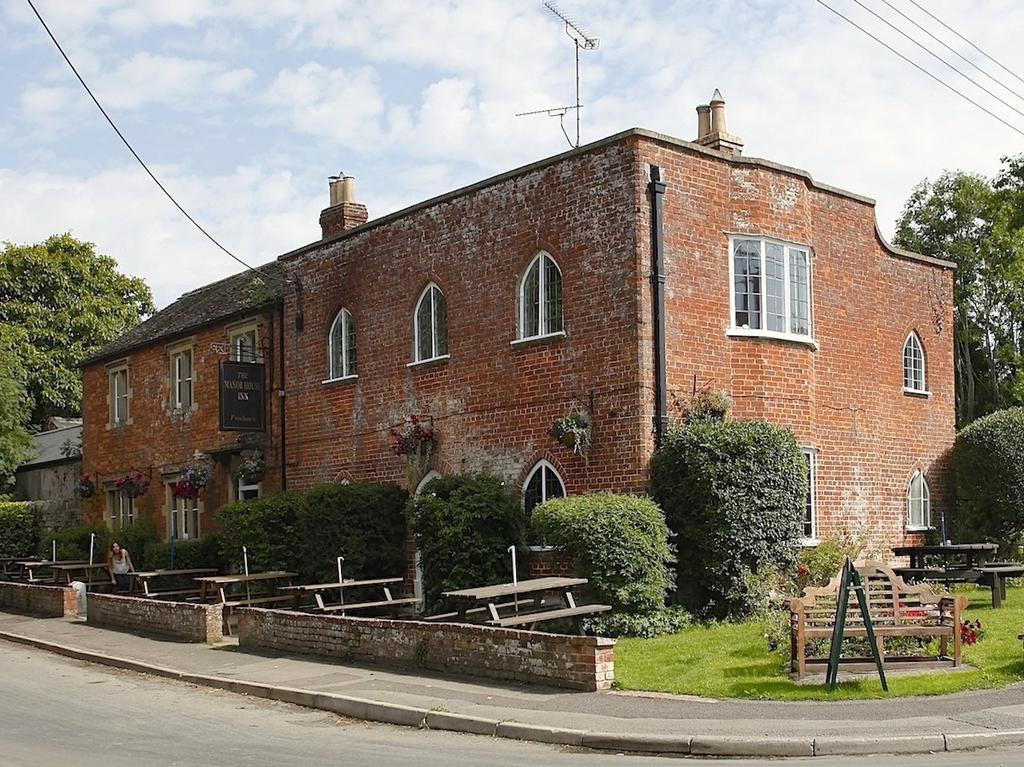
point(540, 298)
point(542, 485)
point(431, 325)
point(919, 506)
point(913, 364)
point(341, 347)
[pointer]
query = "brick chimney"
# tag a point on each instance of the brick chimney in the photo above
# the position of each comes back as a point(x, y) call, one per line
point(344, 213)
point(711, 129)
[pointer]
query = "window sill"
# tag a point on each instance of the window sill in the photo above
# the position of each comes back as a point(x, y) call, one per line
point(772, 335)
point(538, 548)
point(119, 425)
point(919, 529)
point(546, 338)
point(809, 543)
point(922, 393)
point(432, 360)
point(342, 379)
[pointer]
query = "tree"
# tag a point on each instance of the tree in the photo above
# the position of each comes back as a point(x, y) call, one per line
point(64, 301)
point(964, 218)
point(15, 407)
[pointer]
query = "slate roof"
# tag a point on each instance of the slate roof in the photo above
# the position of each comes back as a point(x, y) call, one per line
point(46, 446)
point(217, 301)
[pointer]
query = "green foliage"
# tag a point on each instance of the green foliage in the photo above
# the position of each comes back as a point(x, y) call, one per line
point(618, 542)
point(306, 531)
point(62, 302)
point(19, 529)
point(73, 543)
point(817, 565)
point(464, 524)
point(141, 539)
point(206, 552)
point(15, 410)
point(989, 460)
point(733, 493)
point(667, 620)
point(704, 406)
point(362, 521)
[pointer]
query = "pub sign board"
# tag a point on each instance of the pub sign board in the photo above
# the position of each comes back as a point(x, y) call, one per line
point(241, 396)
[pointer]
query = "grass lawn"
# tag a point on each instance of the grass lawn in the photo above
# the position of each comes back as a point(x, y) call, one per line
point(733, 661)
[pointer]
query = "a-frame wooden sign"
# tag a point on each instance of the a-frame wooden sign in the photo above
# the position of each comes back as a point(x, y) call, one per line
point(851, 579)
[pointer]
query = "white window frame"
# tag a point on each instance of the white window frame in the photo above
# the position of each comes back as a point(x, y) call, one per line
point(344, 316)
point(247, 335)
point(248, 487)
point(120, 509)
point(926, 503)
point(543, 331)
point(812, 461)
point(115, 395)
point(763, 332)
point(914, 340)
point(543, 464)
point(427, 291)
point(177, 403)
point(178, 510)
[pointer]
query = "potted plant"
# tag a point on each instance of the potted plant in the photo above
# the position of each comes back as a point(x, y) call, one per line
point(133, 485)
point(192, 480)
point(705, 405)
point(85, 487)
point(251, 468)
point(573, 431)
point(416, 441)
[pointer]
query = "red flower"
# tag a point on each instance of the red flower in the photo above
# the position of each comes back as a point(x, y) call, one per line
point(802, 570)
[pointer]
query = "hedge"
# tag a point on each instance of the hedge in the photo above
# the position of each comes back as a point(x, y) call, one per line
point(618, 542)
point(306, 531)
point(989, 461)
point(19, 529)
point(464, 524)
point(733, 493)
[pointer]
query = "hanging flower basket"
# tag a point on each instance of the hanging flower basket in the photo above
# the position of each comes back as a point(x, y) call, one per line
point(416, 441)
point(573, 431)
point(133, 485)
point(251, 469)
point(85, 487)
point(192, 480)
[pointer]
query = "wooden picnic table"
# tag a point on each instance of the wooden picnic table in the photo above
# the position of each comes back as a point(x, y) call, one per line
point(954, 555)
point(960, 563)
point(30, 568)
point(492, 596)
point(146, 579)
point(218, 589)
point(90, 574)
point(319, 589)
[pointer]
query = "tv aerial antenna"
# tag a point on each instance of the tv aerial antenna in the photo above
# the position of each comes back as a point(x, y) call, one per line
point(583, 41)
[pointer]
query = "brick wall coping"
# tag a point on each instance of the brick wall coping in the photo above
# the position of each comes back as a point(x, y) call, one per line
point(600, 144)
point(187, 621)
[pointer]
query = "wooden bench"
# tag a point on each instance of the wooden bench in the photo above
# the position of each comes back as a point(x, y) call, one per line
point(341, 608)
point(454, 616)
point(249, 602)
point(896, 609)
point(532, 619)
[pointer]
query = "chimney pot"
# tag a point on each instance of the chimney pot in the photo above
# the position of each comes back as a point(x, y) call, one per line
point(718, 113)
point(703, 121)
point(711, 128)
point(344, 212)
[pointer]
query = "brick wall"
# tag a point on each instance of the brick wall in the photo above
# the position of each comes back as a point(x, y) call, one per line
point(580, 663)
point(176, 620)
point(545, 563)
point(41, 601)
point(158, 442)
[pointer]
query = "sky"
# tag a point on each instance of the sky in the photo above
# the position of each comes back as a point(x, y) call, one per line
point(243, 108)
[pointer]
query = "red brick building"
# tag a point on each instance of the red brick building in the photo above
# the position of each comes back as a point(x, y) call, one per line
point(605, 281)
point(152, 402)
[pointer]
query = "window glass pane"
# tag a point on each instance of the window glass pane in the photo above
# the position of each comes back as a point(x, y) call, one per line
point(337, 369)
point(350, 345)
point(747, 287)
point(552, 297)
point(809, 531)
point(424, 331)
point(913, 364)
point(440, 323)
point(533, 495)
point(799, 293)
point(552, 485)
point(775, 286)
point(531, 301)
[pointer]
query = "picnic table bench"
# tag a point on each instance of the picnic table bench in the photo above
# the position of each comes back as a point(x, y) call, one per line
point(92, 575)
point(493, 596)
point(31, 570)
point(8, 565)
point(218, 589)
point(896, 609)
point(960, 563)
point(319, 589)
point(145, 580)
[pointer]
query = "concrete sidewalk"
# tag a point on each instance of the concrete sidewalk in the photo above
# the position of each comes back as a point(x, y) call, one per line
point(607, 720)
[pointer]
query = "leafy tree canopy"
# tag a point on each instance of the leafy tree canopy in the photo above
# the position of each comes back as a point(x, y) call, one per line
point(15, 407)
point(62, 301)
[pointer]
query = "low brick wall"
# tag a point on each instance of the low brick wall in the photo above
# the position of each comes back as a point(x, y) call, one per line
point(579, 663)
point(175, 620)
point(41, 601)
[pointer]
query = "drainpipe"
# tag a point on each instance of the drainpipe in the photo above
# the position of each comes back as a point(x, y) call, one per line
point(657, 190)
point(280, 392)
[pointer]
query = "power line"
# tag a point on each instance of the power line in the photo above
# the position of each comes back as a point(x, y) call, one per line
point(917, 66)
point(950, 48)
point(131, 149)
point(932, 53)
point(979, 50)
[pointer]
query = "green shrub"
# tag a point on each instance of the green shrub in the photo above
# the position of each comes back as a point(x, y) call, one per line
point(817, 565)
point(667, 620)
point(733, 493)
point(989, 460)
point(73, 543)
point(363, 522)
point(463, 525)
point(141, 539)
point(268, 529)
point(618, 542)
point(188, 555)
point(19, 529)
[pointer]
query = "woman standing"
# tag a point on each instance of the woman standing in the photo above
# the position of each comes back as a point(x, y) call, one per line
point(119, 563)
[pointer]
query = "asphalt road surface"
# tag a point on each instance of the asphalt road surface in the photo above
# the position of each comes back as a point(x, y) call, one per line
point(57, 712)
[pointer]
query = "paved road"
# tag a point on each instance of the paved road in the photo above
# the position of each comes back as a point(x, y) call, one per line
point(56, 711)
